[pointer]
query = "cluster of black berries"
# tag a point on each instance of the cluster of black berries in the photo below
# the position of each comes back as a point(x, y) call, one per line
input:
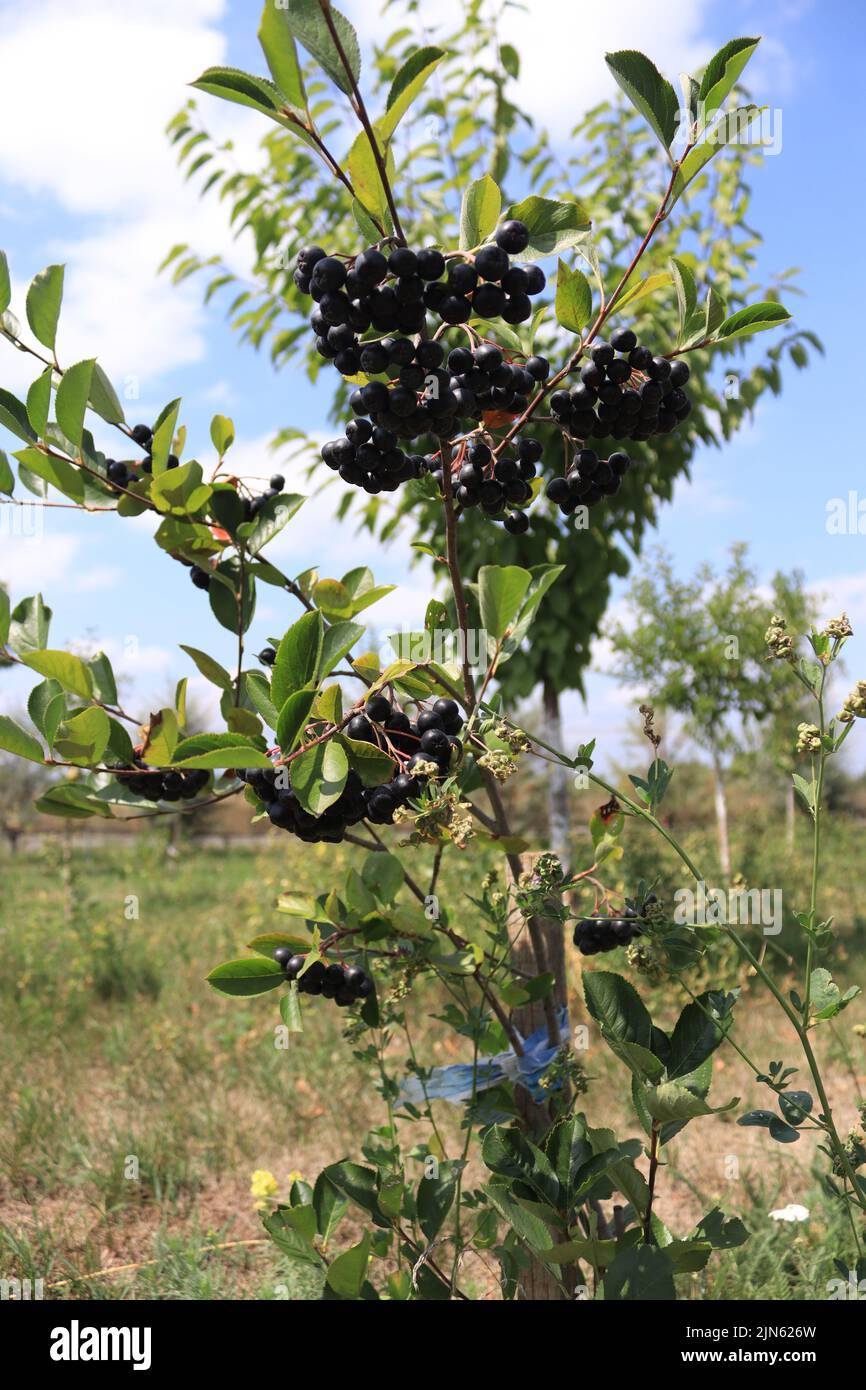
point(342, 983)
point(394, 293)
point(594, 935)
point(162, 786)
point(588, 480)
point(430, 739)
point(631, 396)
point(493, 484)
point(253, 505)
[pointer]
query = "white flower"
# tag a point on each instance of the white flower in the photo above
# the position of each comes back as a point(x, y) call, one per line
point(792, 1212)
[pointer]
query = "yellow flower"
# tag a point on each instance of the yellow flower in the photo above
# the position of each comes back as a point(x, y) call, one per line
point(295, 1176)
point(262, 1186)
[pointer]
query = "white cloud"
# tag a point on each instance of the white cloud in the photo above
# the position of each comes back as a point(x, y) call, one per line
point(29, 562)
point(116, 74)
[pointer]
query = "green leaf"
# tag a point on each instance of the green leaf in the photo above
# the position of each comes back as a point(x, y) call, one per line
point(502, 589)
point(722, 1234)
point(372, 764)
point(298, 657)
point(28, 630)
point(224, 598)
point(366, 178)
point(641, 288)
point(181, 490)
point(290, 1009)
point(752, 319)
point(218, 750)
point(406, 86)
point(13, 414)
point(222, 429)
point(722, 72)
point(795, 1106)
point(329, 1205)
point(5, 284)
point(278, 46)
point(542, 578)
point(672, 1102)
point(687, 292)
point(5, 615)
point(69, 670)
point(319, 776)
point(306, 21)
point(333, 598)
point(696, 1037)
point(71, 399)
point(43, 304)
point(553, 227)
point(209, 668)
point(84, 737)
point(7, 477)
point(39, 401)
point(338, 641)
point(479, 213)
point(650, 93)
point(364, 222)
point(826, 998)
point(242, 87)
point(271, 519)
point(64, 476)
point(573, 298)
point(638, 1274)
point(46, 706)
point(347, 1272)
point(287, 1229)
point(292, 720)
point(163, 437)
point(617, 1008)
point(259, 691)
point(384, 875)
point(729, 128)
point(250, 975)
point(782, 1133)
point(14, 739)
point(103, 397)
point(360, 1185)
point(73, 801)
point(510, 1154)
point(526, 1225)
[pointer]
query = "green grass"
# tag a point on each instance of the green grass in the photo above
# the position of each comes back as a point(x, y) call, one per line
point(119, 1058)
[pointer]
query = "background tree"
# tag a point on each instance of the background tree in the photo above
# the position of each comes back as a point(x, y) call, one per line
point(696, 648)
point(612, 173)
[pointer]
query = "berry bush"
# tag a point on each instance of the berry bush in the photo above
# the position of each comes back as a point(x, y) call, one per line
point(445, 395)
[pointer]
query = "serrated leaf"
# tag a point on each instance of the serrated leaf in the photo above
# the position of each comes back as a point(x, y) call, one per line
point(71, 400)
point(479, 212)
point(553, 226)
point(14, 739)
point(722, 73)
point(573, 298)
point(249, 975)
point(650, 93)
point(64, 667)
point(298, 657)
point(406, 86)
point(319, 776)
point(292, 720)
point(44, 298)
point(306, 21)
point(278, 46)
point(753, 319)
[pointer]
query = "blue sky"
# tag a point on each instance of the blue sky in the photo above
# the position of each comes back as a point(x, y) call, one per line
point(86, 177)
